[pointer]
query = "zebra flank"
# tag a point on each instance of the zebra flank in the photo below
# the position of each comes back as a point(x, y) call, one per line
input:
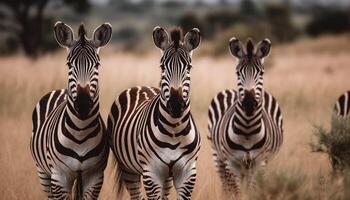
point(245, 126)
point(69, 141)
point(152, 132)
point(342, 106)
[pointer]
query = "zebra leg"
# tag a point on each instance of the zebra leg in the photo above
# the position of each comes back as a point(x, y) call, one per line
point(184, 180)
point(45, 181)
point(61, 185)
point(153, 183)
point(168, 184)
point(251, 181)
point(233, 179)
point(92, 184)
point(221, 170)
point(133, 184)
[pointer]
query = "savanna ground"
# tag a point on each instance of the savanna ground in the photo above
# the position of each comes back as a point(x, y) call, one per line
point(306, 78)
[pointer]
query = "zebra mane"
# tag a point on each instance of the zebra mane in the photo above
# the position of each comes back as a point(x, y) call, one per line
point(81, 31)
point(250, 48)
point(176, 36)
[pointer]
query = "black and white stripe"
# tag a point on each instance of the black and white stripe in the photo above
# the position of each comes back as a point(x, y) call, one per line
point(342, 106)
point(152, 132)
point(69, 141)
point(245, 127)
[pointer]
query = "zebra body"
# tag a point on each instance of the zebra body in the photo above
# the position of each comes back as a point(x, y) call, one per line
point(342, 106)
point(245, 127)
point(69, 141)
point(152, 132)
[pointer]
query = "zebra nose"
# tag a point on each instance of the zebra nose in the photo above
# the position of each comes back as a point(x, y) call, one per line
point(249, 93)
point(83, 90)
point(176, 103)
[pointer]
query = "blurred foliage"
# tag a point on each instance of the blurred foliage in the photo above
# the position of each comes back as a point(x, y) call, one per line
point(335, 143)
point(189, 21)
point(281, 185)
point(25, 22)
point(279, 16)
point(329, 20)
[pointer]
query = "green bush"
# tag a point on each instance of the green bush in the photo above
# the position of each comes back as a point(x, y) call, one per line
point(335, 143)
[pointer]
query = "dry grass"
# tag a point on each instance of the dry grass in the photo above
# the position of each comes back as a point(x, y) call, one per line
point(305, 81)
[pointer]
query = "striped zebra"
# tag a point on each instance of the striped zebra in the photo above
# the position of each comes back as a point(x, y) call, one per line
point(152, 132)
point(342, 106)
point(69, 141)
point(245, 127)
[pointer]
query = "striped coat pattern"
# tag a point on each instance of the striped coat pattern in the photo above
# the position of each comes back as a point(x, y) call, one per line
point(152, 132)
point(69, 142)
point(342, 106)
point(245, 126)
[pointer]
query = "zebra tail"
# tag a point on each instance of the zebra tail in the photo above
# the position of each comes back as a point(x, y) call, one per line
point(78, 187)
point(119, 182)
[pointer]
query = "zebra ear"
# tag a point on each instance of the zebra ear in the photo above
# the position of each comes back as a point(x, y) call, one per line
point(63, 34)
point(102, 35)
point(236, 48)
point(263, 48)
point(192, 39)
point(160, 38)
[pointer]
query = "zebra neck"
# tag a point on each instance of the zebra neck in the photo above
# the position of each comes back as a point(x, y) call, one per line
point(171, 125)
point(247, 125)
point(74, 121)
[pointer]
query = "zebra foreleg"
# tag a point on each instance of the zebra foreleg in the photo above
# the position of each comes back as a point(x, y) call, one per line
point(133, 184)
point(45, 181)
point(61, 186)
point(168, 184)
point(234, 179)
point(92, 184)
point(184, 181)
point(153, 183)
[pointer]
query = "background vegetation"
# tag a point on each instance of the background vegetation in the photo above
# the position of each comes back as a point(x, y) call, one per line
point(307, 71)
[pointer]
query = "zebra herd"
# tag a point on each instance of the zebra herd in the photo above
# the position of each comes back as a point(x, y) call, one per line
point(151, 131)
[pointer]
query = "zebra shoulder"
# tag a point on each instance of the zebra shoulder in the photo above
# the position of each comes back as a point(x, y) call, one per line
point(46, 104)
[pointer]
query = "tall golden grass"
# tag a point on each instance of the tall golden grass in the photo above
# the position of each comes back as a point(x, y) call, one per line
point(305, 77)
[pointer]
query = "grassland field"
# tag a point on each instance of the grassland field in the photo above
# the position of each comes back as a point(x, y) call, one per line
point(306, 78)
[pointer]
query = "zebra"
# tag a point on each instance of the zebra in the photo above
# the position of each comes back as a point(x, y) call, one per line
point(69, 141)
point(152, 132)
point(342, 106)
point(245, 127)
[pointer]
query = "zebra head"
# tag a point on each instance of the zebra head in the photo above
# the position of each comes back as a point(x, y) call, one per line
point(175, 65)
point(83, 63)
point(250, 71)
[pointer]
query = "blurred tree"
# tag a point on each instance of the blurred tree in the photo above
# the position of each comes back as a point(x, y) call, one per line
point(279, 17)
point(189, 21)
point(26, 20)
point(329, 20)
point(248, 9)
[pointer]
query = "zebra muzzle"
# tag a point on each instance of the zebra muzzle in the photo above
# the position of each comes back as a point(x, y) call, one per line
point(83, 103)
point(176, 104)
point(249, 102)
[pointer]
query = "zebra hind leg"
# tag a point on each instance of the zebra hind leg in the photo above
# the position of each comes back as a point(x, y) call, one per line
point(133, 184)
point(45, 181)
